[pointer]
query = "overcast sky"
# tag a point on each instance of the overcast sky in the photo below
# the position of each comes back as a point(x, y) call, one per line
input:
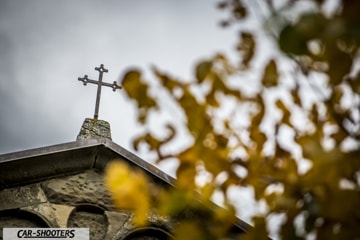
point(46, 45)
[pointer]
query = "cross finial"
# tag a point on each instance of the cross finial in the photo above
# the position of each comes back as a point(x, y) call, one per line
point(100, 83)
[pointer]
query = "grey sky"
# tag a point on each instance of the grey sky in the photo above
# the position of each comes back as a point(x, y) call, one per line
point(46, 45)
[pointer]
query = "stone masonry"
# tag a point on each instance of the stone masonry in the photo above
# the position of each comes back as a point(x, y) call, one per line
point(94, 128)
point(62, 186)
point(79, 200)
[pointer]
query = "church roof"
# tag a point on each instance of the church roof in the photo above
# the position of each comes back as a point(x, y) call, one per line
point(34, 165)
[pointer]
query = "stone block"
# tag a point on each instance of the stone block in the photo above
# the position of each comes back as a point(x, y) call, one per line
point(87, 187)
point(57, 215)
point(19, 197)
point(94, 128)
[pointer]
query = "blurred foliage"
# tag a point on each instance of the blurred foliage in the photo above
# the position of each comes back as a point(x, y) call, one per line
point(325, 197)
point(129, 190)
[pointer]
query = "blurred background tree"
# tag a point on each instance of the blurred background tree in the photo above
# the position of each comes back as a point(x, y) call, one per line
point(295, 139)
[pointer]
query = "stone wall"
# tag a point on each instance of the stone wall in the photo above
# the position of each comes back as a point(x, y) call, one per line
point(78, 200)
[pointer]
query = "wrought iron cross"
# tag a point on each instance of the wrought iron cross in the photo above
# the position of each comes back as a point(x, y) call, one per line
point(100, 83)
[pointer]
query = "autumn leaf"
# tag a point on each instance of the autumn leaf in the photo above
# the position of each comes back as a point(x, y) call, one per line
point(258, 232)
point(271, 76)
point(137, 89)
point(186, 175)
point(246, 47)
point(318, 83)
point(338, 71)
point(296, 97)
point(190, 230)
point(128, 189)
point(203, 69)
point(285, 111)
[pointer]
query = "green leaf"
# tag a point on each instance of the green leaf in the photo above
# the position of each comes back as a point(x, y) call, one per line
point(291, 41)
point(294, 39)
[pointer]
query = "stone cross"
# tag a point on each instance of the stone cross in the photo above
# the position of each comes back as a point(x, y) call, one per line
point(100, 83)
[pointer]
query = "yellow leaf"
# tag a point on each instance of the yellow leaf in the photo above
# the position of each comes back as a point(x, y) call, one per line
point(285, 111)
point(207, 191)
point(255, 134)
point(175, 201)
point(239, 10)
point(295, 96)
point(271, 75)
point(166, 80)
point(190, 230)
point(336, 96)
point(258, 137)
point(257, 232)
point(246, 47)
point(212, 100)
point(131, 81)
point(258, 117)
point(338, 71)
point(185, 175)
point(203, 69)
point(138, 90)
point(128, 189)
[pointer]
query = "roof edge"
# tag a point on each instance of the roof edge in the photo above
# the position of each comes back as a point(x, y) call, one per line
point(129, 156)
point(66, 158)
point(50, 149)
